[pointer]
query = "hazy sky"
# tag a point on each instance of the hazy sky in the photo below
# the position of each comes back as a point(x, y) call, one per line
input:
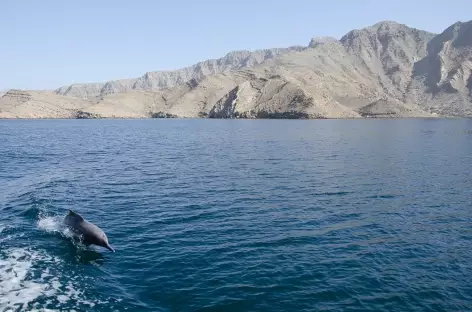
point(47, 44)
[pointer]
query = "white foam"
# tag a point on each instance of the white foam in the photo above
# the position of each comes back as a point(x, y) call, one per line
point(53, 224)
point(49, 224)
point(15, 290)
point(19, 288)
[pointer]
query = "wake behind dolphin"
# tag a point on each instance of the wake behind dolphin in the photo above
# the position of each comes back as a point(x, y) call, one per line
point(89, 232)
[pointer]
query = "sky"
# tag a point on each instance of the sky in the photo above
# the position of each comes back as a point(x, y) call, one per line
point(47, 44)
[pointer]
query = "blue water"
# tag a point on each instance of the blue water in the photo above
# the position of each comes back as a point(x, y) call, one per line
point(238, 215)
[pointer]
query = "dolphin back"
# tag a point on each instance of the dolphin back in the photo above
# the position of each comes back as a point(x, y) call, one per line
point(73, 214)
point(73, 218)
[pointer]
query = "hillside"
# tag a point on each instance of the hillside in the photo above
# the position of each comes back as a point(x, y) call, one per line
point(167, 79)
point(385, 70)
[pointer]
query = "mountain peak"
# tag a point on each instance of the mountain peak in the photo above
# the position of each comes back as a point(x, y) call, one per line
point(387, 23)
point(385, 27)
point(459, 32)
point(315, 41)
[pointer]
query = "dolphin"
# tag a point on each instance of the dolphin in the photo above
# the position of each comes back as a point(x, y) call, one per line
point(90, 233)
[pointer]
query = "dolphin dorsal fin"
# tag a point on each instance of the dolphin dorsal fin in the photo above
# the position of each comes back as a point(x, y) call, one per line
point(76, 215)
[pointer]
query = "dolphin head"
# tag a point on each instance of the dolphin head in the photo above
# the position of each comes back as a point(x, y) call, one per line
point(103, 241)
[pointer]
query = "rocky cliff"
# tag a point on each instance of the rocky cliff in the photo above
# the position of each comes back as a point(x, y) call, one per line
point(167, 79)
point(386, 70)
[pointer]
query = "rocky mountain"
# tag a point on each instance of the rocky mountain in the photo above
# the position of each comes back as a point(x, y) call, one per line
point(38, 104)
point(442, 80)
point(388, 50)
point(166, 79)
point(385, 70)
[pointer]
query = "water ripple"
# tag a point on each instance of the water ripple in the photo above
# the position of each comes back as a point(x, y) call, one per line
point(237, 215)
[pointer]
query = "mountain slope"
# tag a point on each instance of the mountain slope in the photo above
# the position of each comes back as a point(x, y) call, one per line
point(388, 50)
point(167, 79)
point(442, 81)
point(385, 70)
point(38, 104)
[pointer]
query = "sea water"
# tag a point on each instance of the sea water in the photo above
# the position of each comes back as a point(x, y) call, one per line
point(238, 215)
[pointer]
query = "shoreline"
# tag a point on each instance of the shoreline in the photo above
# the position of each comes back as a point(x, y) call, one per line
point(199, 118)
